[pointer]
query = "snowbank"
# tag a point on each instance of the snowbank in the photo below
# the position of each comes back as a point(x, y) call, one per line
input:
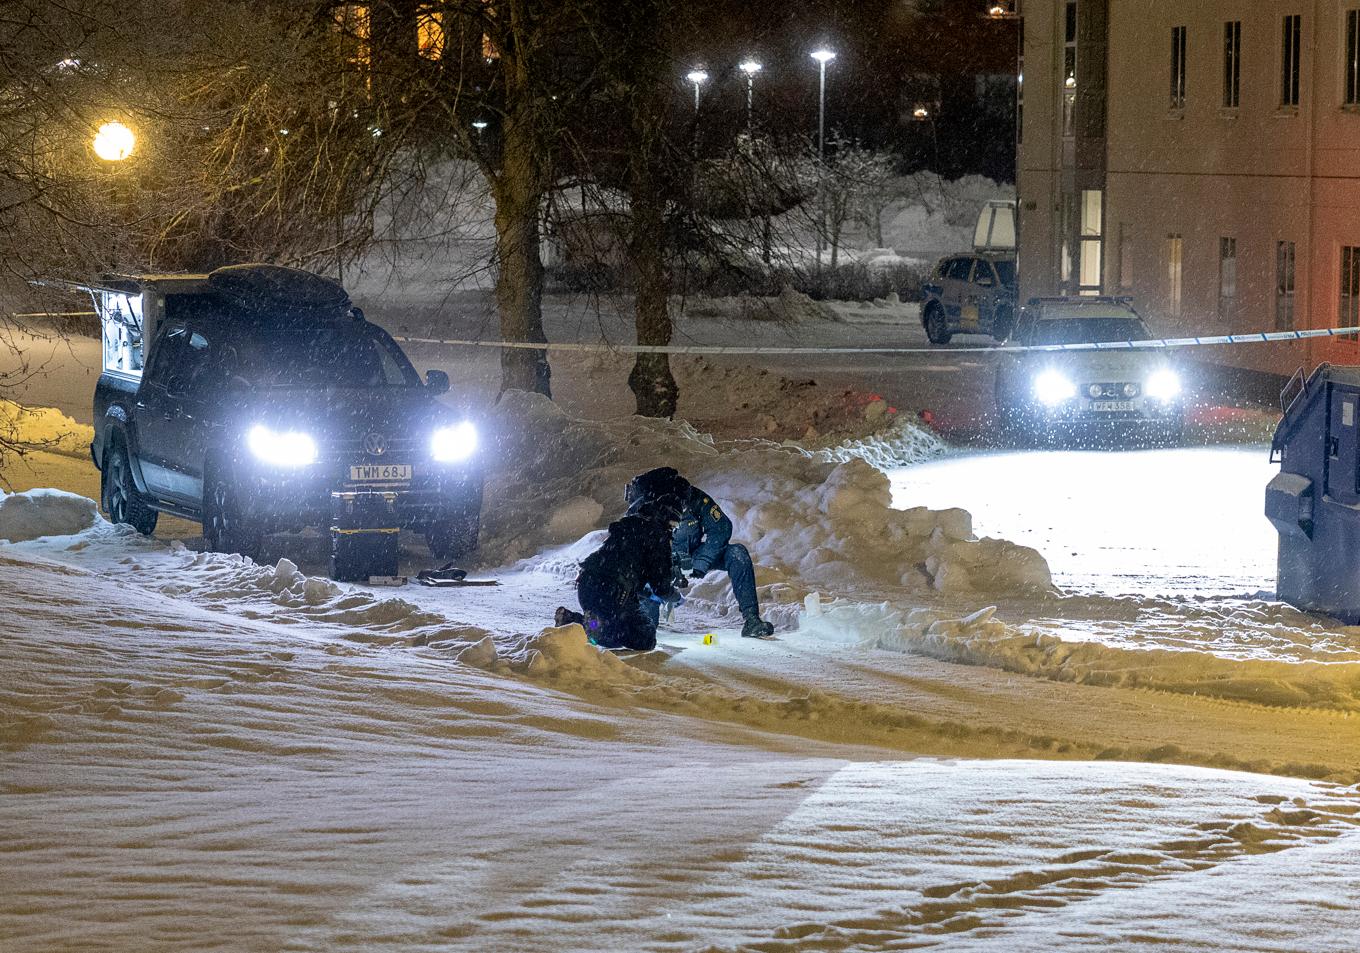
point(810, 519)
point(937, 217)
point(789, 307)
point(981, 639)
point(44, 428)
point(38, 513)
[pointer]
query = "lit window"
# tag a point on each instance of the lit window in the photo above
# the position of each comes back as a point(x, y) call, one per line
point(1092, 242)
point(430, 34)
point(1284, 286)
point(351, 22)
point(1227, 278)
point(1348, 316)
point(1175, 248)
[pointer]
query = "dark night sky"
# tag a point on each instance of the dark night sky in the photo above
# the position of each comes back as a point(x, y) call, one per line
point(888, 55)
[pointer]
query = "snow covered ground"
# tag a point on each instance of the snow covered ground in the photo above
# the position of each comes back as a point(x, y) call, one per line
point(956, 742)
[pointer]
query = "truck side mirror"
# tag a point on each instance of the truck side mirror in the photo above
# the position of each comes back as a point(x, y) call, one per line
point(437, 381)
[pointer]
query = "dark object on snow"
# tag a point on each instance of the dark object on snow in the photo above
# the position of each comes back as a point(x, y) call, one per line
point(700, 542)
point(618, 580)
point(445, 573)
point(448, 576)
point(1314, 501)
point(364, 536)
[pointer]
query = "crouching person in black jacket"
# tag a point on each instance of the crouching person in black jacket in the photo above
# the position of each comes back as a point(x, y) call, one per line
point(622, 579)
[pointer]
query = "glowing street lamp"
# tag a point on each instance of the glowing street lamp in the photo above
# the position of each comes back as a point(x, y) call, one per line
point(479, 125)
point(921, 113)
point(114, 142)
point(697, 77)
point(750, 67)
point(822, 56)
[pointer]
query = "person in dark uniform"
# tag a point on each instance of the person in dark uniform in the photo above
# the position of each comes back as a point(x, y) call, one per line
point(623, 584)
point(701, 542)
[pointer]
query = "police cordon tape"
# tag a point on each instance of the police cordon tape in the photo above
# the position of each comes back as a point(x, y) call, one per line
point(1259, 337)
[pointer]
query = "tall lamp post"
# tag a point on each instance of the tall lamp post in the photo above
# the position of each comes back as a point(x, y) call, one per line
point(822, 56)
point(697, 79)
point(750, 67)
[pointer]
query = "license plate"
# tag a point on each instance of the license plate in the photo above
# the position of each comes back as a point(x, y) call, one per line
point(381, 473)
point(1111, 405)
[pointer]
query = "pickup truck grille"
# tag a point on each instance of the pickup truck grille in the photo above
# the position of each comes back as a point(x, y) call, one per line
point(393, 448)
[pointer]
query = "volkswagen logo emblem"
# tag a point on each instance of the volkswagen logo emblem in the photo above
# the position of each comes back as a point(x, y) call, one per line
point(375, 443)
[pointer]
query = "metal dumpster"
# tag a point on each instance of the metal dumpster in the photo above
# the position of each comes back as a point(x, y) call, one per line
point(1314, 501)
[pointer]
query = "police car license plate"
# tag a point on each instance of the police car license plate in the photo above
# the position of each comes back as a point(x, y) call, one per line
point(381, 473)
point(1111, 405)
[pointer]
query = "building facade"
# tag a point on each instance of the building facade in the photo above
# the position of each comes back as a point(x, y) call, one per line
point(1203, 157)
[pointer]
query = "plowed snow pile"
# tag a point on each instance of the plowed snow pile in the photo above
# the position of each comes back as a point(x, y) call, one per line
point(810, 519)
point(43, 428)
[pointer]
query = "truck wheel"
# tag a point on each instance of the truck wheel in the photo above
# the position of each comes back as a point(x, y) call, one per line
point(226, 526)
point(453, 537)
point(937, 328)
point(122, 503)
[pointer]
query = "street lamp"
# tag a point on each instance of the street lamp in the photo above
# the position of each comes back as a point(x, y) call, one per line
point(750, 67)
point(479, 125)
point(698, 77)
point(113, 142)
point(822, 56)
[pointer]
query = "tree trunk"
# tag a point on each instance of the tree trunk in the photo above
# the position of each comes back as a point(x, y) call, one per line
point(519, 281)
point(651, 380)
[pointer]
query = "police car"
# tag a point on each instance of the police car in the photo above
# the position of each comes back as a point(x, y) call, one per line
point(1049, 390)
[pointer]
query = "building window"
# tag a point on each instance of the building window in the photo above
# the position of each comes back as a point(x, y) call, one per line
point(1092, 242)
point(1232, 64)
point(1178, 68)
point(1284, 286)
point(1349, 314)
point(430, 35)
point(1175, 249)
point(1352, 97)
point(351, 23)
point(1227, 279)
point(1069, 73)
point(1125, 256)
point(1290, 52)
point(1020, 82)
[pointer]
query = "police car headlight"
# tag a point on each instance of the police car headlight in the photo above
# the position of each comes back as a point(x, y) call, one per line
point(1163, 385)
point(1053, 387)
point(290, 448)
point(451, 444)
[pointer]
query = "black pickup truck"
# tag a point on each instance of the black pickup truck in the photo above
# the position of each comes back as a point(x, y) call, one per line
point(244, 398)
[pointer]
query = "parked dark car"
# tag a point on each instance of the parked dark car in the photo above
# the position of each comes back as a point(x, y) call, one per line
point(262, 392)
point(970, 294)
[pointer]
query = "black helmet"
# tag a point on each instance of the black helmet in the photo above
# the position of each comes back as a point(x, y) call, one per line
point(661, 481)
point(662, 509)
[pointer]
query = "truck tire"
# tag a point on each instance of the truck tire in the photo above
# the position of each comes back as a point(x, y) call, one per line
point(937, 326)
point(453, 537)
point(227, 528)
point(120, 499)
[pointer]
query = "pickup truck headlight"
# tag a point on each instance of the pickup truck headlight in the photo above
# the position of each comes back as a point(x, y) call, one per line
point(452, 444)
point(290, 448)
point(1164, 385)
point(1053, 387)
